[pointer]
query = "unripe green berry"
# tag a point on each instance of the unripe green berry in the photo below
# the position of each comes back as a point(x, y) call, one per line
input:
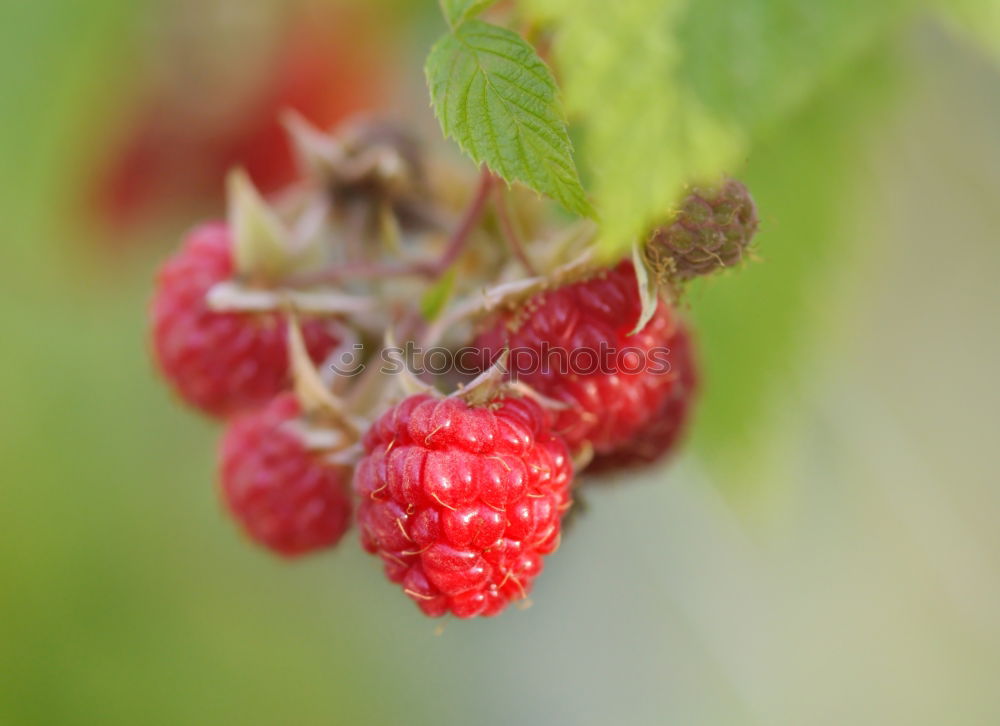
point(713, 229)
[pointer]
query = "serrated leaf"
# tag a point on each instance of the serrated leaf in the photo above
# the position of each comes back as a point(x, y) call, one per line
point(457, 12)
point(497, 99)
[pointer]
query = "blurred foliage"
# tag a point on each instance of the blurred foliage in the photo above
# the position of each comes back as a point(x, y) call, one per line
point(756, 323)
point(979, 19)
point(644, 134)
point(781, 92)
point(458, 11)
point(669, 93)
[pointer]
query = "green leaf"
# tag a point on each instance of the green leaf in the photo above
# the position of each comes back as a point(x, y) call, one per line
point(644, 136)
point(667, 91)
point(497, 99)
point(457, 12)
point(756, 62)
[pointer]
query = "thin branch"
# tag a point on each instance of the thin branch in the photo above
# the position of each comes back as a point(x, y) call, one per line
point(510, 234)
point(460, 236)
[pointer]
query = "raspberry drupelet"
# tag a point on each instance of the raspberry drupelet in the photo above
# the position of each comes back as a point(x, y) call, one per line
point(462, 501)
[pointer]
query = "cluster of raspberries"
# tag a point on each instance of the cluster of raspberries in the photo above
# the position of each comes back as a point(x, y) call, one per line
point(460, 496)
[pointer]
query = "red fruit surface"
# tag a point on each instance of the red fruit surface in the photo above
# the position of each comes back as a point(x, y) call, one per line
point(221, 363)
point(660, 436)
point(568, 344)
point(174, 153)
point(282, 495)
point(462, 502)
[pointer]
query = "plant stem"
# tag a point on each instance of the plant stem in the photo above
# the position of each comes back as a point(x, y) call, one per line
point(472, 215)
point(509, 233)
point(374, 269)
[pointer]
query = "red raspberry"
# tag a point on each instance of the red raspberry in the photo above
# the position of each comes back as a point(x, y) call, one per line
point(573, 344)
point(658, 438)
point(282, 495)
point(461, 502)
point(222, 363)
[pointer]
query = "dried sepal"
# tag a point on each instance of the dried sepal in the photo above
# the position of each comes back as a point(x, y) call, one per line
point(317, 401)
point(265, 249)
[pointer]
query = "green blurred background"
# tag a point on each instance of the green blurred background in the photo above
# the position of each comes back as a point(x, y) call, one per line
point(826, 552)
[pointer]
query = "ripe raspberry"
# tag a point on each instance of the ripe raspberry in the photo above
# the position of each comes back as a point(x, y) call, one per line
point(219, 362)
point(573, 344)
point(713, 229)
point(282, 495)
point(461, 502)
point(659, 437)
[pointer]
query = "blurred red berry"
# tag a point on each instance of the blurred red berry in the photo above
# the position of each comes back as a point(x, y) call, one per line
point(284, 497)
point(572, 344)
point(462, 502)
point(660, 436)
point(221, 362)
point(176, 152)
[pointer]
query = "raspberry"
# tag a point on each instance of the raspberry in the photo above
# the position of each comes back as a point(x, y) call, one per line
point(220, 362)
point(572, 344)
point(173, 154)
point(461, 502)
point(282, 495)
point(659, 437)
point(712, 230)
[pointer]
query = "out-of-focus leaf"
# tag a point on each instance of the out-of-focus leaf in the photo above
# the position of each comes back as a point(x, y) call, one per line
point(497, 99)
point(754, 325)
point(669, 93)
point(978, 19)
point(752, 63)
point(644, 135)
point(457, 12)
